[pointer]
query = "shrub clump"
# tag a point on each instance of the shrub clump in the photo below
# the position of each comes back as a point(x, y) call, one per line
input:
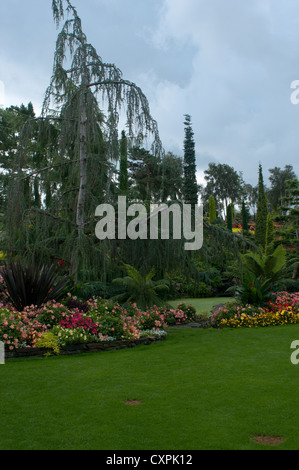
point(48, 340)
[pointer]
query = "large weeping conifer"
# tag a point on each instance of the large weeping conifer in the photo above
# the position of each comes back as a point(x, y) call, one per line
point(80, 172)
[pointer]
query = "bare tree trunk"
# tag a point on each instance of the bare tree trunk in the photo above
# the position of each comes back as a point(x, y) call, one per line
point(80, 214)
point(83, 173)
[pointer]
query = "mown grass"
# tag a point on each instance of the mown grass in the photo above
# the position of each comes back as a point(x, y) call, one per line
point(199, 389)
point(203, 304)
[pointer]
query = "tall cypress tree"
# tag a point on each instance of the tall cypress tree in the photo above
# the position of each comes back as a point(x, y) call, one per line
point(190, 182)
point(229, 220)
point(262, 211)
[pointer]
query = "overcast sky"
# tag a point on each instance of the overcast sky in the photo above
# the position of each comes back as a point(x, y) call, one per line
point(227, 63)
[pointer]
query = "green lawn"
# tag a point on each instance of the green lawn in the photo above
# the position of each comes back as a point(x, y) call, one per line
point(204, 304)
point(199, 389)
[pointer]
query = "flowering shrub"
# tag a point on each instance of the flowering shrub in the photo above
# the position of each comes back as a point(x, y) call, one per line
point(232, 310)
point(114, 320)
point(20, 328)
point(31, 329)
point(80, 321)
point(152, 318)
point(11, 333)
point(48, 340)
point(51, 313)
point(284, 299)
point(282, 309)
point(175, 317)
point(189, 311)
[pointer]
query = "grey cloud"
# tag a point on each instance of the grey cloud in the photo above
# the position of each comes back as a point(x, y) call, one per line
point(228, 64)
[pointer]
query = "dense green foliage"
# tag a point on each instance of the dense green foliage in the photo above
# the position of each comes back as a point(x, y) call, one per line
point(262, 210)
point(229, 217)
point(190, 183)
point(278, 178)
point(212, 209)
point(269, 234)
point(259, 273)
point(141, 289)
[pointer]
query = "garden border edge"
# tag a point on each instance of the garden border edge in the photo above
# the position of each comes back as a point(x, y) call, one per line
point(82, 348)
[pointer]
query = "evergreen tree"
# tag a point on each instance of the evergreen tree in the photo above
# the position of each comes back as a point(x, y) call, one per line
point(123, 167)
point(190, 182)
point(269, 235)
point(172, 177)
point(262, 211)
point(212, 209)
point(146, 173)
point(289, 219)
point(229, 219)
point(12, 120)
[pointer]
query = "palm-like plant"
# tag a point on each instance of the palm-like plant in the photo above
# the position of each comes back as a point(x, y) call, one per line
point(261, 272)
point(254, 290)
point(141, 289)
point(269, 266)
point(32, 285)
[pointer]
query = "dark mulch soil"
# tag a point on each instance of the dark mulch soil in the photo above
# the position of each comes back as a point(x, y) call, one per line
point(268, 440)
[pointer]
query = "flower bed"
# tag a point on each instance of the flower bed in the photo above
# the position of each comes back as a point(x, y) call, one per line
point(74, 325)
point(281, 310)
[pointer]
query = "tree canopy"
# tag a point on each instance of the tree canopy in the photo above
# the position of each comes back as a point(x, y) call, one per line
point(224, 184)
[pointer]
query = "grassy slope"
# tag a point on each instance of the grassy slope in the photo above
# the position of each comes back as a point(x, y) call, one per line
point(200, 389)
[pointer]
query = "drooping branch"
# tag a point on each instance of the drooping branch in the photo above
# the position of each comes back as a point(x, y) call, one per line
point(48, 168)
point(52, 216)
